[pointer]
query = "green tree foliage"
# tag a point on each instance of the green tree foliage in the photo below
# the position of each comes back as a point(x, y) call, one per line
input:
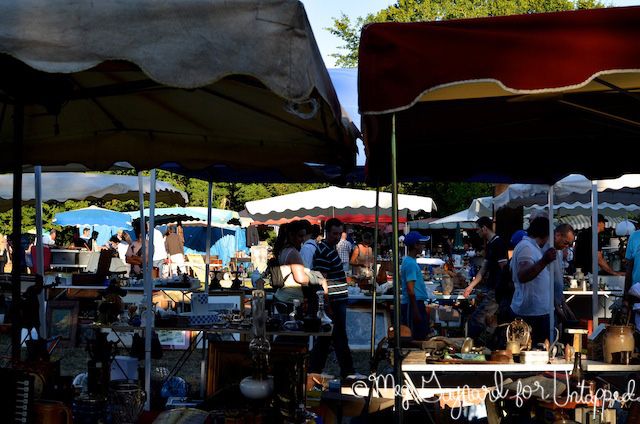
point(448, 197)
point(437, 10)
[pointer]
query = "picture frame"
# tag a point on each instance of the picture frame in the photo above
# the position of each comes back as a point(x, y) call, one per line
point(359, 318)
point(62, 321)
point(174, 339)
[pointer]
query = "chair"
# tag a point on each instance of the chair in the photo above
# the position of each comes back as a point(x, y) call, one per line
point(46, 256)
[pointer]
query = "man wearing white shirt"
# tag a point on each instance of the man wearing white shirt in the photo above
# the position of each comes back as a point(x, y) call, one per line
point(532, 278)
point(159, 251)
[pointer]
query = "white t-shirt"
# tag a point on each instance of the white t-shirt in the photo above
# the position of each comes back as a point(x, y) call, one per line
point(159, 251)
point(531, 298)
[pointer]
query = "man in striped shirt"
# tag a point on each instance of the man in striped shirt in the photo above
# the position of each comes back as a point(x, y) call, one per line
point(328, 262)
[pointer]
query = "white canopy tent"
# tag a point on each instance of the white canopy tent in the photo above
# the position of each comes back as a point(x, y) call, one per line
point(62, 186)
point(334, 202)
point(465, 219)
point(574, 191)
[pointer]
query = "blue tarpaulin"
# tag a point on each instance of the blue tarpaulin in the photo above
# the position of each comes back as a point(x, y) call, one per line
point(224, 241)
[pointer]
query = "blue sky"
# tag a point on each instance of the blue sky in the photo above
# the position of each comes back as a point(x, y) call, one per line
point(321, 12)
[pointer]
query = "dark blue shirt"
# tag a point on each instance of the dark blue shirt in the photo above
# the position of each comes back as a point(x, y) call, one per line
point(328, 262)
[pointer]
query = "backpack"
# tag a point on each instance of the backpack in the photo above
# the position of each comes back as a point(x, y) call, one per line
point(279, 273)
point(504, 290)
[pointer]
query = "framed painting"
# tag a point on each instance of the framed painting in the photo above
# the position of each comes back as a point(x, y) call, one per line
point(62, 321)
point(170, 339)
point(359, 326)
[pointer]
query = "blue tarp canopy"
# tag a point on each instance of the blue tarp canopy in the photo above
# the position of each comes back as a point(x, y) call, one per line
point(93, 215)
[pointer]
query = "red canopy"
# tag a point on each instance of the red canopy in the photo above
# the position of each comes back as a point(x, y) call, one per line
point(530, 93)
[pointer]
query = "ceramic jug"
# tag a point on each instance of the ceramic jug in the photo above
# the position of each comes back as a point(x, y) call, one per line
point(52, 412)
point(618, 338)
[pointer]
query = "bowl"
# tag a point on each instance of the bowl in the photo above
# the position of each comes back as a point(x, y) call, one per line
point(534, 357)
point(254, 388)
point(503, 356)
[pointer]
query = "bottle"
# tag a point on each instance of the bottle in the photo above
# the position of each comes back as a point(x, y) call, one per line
point(577, 373)
point(295, 313)
point(325, 321)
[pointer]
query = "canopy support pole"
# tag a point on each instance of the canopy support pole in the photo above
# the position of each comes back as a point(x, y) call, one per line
point(601, 113)
point(618, 89)
point(207, 254)
point(375, 275)
point(207, 267)
point(17, 258)
point(148, 288)
point(594, 252)
point(42, 331)
point(397, 354)
point(147, 276)
point(552, 308)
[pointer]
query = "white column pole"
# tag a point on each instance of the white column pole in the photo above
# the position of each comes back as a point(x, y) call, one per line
point(40, 249)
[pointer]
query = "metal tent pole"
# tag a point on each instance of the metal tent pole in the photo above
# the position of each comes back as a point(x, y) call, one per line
point(42, 331)
point(551, 270)
point(208, 242)
point(207, 267)
point(375, 274)
point(397, 362)
point(16, 265)
point(146, 272)
point(148, 286)
point(594, 252)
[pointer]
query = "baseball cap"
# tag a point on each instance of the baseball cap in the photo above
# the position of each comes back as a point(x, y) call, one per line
point(414, 237)
point(517, 237)
point(601, 218)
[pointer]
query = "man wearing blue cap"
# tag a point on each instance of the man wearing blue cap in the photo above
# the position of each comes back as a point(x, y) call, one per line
point(414, 290)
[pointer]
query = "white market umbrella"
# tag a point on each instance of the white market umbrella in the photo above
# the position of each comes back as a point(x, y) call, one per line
point(464, 219)
point(617, 195)
point(62, 186)
point(188, 215)
point(334, 202)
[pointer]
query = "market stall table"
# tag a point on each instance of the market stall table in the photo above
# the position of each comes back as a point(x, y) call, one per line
point(605, 298)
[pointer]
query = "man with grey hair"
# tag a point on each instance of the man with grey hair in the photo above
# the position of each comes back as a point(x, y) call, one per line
point(563, 238)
